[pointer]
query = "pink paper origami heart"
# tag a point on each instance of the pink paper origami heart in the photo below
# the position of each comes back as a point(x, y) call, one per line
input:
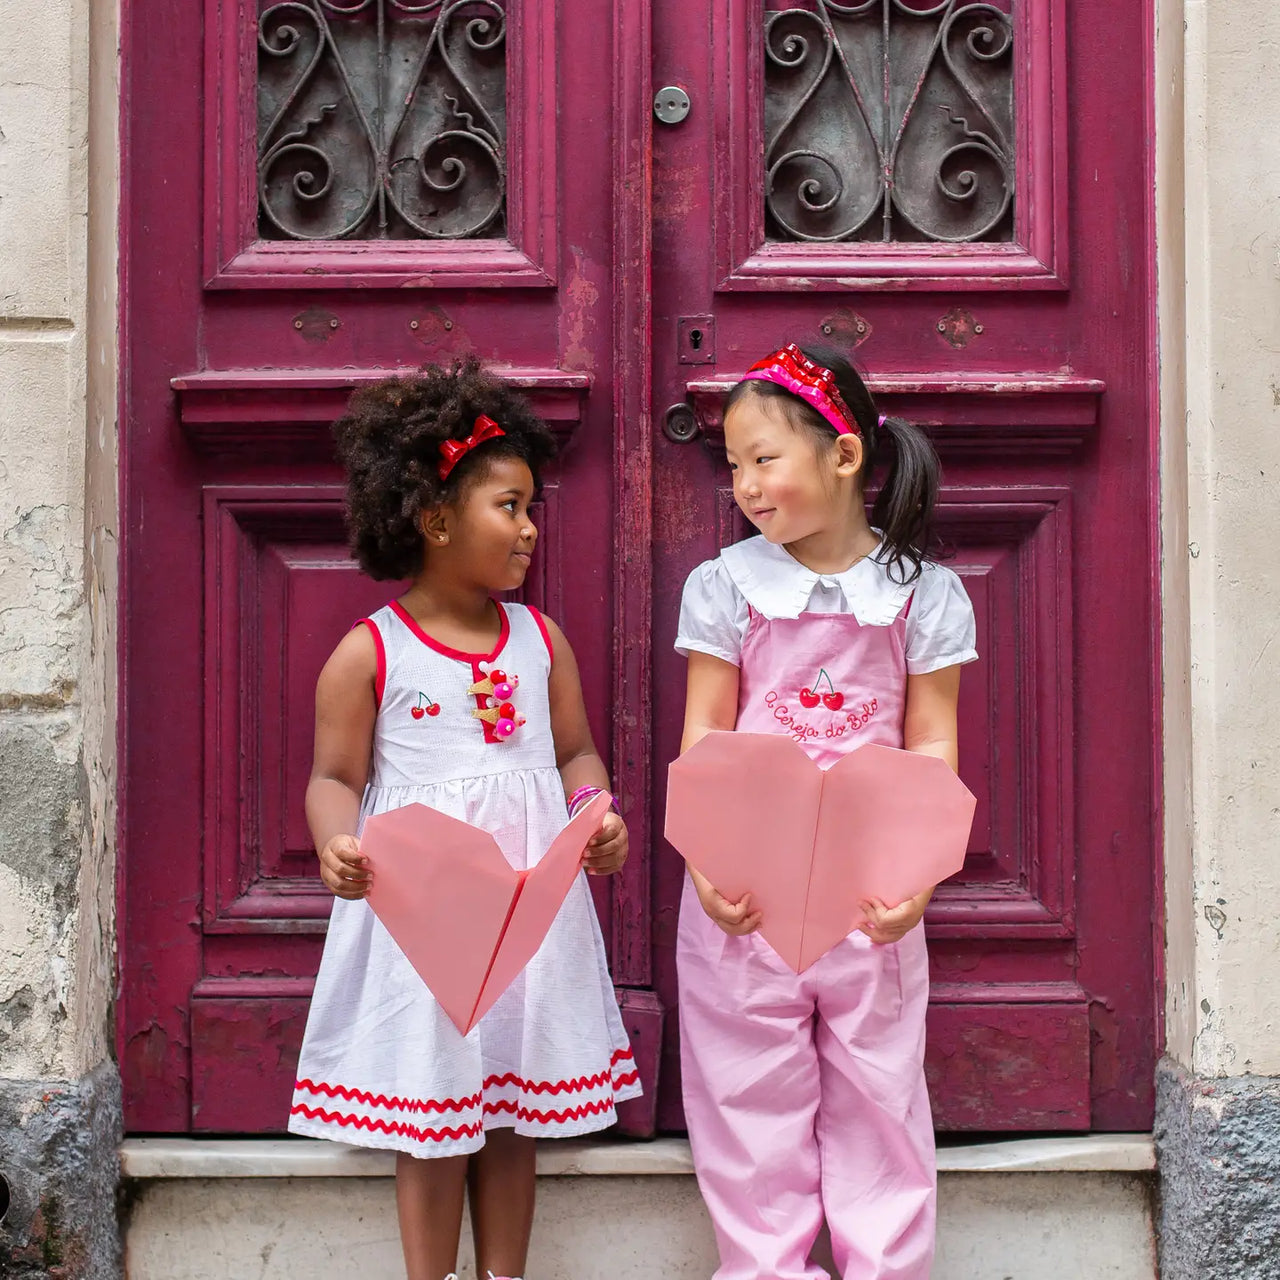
point(755, 815)
point(465, 919)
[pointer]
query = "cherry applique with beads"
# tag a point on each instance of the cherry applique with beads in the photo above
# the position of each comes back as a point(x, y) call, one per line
point(493, 694)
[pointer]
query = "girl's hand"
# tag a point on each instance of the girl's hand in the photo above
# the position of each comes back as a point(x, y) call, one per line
point(342, 868)
point(735, 918)
point(892, 924)
point(606, 851)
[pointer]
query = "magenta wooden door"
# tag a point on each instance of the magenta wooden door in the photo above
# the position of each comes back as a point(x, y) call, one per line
point(317, 191)
point(957, 192)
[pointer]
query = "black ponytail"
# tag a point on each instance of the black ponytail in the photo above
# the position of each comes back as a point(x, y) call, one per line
point(903, 508)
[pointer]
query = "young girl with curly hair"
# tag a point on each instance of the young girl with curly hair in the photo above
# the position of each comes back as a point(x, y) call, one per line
point(450, 698)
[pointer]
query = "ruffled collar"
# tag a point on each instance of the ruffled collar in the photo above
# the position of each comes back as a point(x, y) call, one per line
point(776, 584)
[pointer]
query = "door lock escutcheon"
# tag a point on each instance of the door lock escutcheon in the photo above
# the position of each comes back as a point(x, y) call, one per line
point(671, 104)
point(696, 339)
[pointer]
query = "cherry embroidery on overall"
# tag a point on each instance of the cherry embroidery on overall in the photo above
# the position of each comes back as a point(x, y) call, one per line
point(424, 707)
point(833, 699)
point(495, 709)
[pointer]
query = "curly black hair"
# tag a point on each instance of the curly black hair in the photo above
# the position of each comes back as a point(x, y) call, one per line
point(389, 443)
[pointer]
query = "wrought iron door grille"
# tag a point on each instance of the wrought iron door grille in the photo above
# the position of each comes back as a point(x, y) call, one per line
point(381, 119)
point(889, 120)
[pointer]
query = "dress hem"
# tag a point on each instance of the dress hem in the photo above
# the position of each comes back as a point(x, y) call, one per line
point(463, 1139)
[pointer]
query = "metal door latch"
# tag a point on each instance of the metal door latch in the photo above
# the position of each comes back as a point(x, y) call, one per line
point(671, 104)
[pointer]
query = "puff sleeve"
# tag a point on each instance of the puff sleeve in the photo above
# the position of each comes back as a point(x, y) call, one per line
point(941, 631)
point(713, 614)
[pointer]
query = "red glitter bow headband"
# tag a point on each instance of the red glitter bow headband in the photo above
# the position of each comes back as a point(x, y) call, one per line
point(453, 451)
point(790, 368)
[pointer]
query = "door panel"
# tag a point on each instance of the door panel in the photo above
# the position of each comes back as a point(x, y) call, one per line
point(836, 140)
point(460, 163)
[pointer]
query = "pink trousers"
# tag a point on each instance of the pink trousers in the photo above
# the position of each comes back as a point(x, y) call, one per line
point(805, 1096)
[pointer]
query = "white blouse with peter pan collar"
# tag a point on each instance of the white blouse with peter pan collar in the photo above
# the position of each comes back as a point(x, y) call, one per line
point(714, 613)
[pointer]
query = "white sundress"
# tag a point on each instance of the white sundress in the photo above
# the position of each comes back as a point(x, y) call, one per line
point(382, 1065)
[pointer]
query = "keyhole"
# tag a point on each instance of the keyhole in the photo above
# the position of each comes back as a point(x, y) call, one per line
point(695, 339)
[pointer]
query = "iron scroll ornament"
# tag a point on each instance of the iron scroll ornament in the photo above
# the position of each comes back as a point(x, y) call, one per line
point(887, 120)
point(381, 119)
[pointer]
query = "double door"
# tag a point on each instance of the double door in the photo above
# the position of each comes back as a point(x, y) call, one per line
point(620, 205)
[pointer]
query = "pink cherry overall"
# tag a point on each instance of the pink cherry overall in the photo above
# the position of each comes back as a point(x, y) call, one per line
point(805, 1094)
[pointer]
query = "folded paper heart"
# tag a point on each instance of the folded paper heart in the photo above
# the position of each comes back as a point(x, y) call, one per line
point(466, 919)
point(754, 814)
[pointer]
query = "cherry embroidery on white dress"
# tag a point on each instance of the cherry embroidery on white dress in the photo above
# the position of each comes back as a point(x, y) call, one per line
point(425, 706)
point(493, 694)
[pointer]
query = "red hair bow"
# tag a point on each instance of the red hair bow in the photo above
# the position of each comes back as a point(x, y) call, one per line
point(789, 367)
point(453, 451)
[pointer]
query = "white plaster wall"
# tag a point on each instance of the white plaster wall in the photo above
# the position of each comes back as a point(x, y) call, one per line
point(54, 989)
point(1219, 229)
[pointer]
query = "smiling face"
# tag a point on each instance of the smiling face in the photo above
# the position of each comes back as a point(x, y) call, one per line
point(486, 532)
point(786, 481)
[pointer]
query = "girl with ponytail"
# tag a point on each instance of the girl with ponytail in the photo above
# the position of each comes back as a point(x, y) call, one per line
point(804, 1094)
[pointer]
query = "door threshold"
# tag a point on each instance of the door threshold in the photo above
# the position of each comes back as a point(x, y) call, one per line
point(195, 1157)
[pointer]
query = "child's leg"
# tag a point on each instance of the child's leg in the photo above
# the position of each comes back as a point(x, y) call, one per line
point(874, 1126)
point(750, 1079)
point(429, 1195)
point(501, 1183)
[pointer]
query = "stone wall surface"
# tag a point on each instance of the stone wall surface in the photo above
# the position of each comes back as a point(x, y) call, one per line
point(1221, 367)
point(1220, 1176)
point(60, 1169)
point(1218, 193)
point(59, 1090)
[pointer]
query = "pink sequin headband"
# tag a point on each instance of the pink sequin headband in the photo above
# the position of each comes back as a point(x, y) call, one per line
point(453, 451)
point(791, 369)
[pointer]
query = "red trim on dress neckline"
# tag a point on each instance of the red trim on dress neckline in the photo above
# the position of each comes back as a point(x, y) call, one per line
point(542, 626)
point(380, 680)
point(504, 635)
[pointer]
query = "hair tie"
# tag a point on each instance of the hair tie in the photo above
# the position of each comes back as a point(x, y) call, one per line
point(791, 369)
point(453, 451)
point(884, 417)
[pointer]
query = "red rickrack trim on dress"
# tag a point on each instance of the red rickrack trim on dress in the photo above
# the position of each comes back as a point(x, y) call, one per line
point(578, 1085)
point(381, 1100)
point(391, 1127)
point(418, 1134)
point(549, 1117)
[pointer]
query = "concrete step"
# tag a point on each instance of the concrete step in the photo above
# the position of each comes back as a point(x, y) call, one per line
point(289, 1209)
